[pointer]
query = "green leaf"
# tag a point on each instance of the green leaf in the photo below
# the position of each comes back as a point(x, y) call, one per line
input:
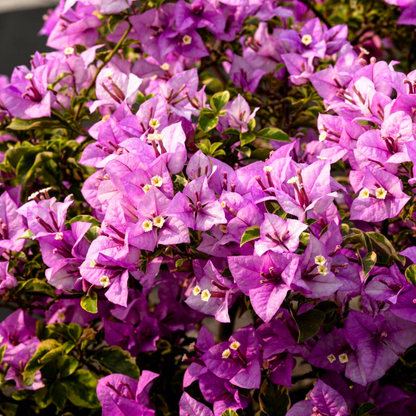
point(38, 286)
point(59, 394)
point(369, 261)
point(20, 395)
point(26, 235)
point(74, 331)
point(246, 151)
point(384, 246)
point(67, 365)
point(8, 409)
point(35, 123)
point(410, 274)
point(51, 355)
point(2, 351)
point(272, 133)
point(34, 363)
point(208, 122)
point(84, 218)
point(89, 303)
point(247, 138)
point(116, 360)
point(219, 100)
point(205, 146)
point(308, 324)
point(81, 387)
point(365, 409)
point(229, 412)
point(43, 398)
point(274, 400)
point(250, 234)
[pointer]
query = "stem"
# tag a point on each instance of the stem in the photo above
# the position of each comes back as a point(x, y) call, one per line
point(107, 59)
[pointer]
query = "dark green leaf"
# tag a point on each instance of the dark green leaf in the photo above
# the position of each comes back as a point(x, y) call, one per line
point(382, 243)
point(8, 409)
point(67, 365)
point(74, 331)
point(272, 133)
point(89, 303)
point(59, 395)
point(113, 22)
point(274, 400)
point(365, 409)
point(308, 324)
point(116, 360)
point(250, 234)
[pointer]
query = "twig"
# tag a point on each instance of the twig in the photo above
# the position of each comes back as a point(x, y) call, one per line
point(105, 62)
point(317, 13)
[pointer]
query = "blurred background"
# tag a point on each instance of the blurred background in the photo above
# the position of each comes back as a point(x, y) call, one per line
point(20, 22)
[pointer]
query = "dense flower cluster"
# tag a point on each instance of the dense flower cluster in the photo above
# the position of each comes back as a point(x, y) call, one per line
point(166, 202)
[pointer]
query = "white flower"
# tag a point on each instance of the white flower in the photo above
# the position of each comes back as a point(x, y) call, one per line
point(307, 40)
point(147, 226)
point(226, 353)
point(104, 281)
point(205, 295)
point(381, 193)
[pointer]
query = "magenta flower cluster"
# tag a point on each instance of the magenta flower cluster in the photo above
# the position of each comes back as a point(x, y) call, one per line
point(315, 240)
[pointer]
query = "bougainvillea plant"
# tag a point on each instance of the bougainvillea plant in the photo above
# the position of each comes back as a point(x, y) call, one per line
point(208, 209)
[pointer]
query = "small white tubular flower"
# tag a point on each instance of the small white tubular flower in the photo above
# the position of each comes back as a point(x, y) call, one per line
point(364, 193)
point(147, 226)
point(157, 181)
point(381, 193)
point(226, 353)
point(235, 345)
point(343, 358)
point(146, 188)
point(196, 291)
point(307, 40)
point(155, 136)
point(267, 169)
point(293, 179)
point(69, 51)
point(29, 76)
point(205, 295)
point(33, 196)
point(320, 260)
point(104, 281)
point(154, 123)
point(165, 66)
point(93, 264)
point(158, 221)
point(323, 136)
point(331, 358)
point(187, 40)
point(59, 236)
point(323, 270)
